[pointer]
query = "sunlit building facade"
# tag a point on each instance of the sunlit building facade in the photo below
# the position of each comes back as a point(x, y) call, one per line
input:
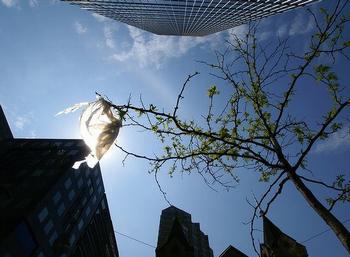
point(187, 17)
point(47, 208)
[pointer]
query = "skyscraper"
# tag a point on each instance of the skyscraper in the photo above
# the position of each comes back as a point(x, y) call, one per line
point(187, 17)
point(47, 208)
point(180, 237)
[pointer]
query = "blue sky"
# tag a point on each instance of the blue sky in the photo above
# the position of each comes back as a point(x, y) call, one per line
point(53, 55)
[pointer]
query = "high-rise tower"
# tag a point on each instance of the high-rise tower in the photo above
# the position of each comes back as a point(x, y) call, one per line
point(47, 208)
point(187, 17)
point(180, 237)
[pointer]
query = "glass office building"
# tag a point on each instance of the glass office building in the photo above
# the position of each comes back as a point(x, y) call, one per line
point(187, 17)
point(47, 208)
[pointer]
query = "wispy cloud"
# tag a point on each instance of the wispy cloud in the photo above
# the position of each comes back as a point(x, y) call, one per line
point(150, 49)
point(9, 3)
point(239, 32)
point(21, 122)
point(33, 3)
point(80, 28)
point(109, 40)
point(33, 134)
point(99, 18)
point(302, 24)
point(338, 140)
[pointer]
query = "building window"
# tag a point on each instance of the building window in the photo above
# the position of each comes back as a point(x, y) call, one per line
point(87, 172)
point(99, 190)
point(80, 182)
point(61, 209)
point(71, 195)
point(68, 183)
point(43, 214)
point(73, 152)
point(91, 188)
point(103, 204)
point(48, 227)
point(68, 144)
point(57, 196)
point(80, 224)
point(53, 238)
point(88, 210)
point(72, 239)
point(98, 181)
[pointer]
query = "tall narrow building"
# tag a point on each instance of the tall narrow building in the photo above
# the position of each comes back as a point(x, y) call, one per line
point(190, 17)
point(180, 237)
point(278, 244)
point(47, 208)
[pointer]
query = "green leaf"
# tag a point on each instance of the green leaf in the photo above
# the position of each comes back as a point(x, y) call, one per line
point(223, 132)
point(299, 132)
point(213, 91)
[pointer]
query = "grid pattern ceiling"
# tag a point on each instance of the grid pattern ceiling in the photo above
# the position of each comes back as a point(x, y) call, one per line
point(187, 17)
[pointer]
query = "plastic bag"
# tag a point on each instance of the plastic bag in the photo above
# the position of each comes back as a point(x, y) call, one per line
point(99, 128)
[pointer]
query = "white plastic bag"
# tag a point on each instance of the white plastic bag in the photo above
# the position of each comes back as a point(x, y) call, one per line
point(99, 127)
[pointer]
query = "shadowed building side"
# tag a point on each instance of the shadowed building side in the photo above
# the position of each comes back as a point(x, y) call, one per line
point(278, 244)
point(176, 244)
point(47, 208)
point(179, 237)
point(5, 131)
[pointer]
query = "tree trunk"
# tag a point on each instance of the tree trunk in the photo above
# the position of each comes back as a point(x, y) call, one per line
point(338, 228)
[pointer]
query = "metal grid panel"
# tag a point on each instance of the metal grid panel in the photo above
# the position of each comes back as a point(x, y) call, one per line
point(187, 17)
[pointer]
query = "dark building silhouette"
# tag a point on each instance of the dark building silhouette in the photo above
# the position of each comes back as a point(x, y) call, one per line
point(47, 208)
point(232, 252)
point(278, 244)
point(187, 18)
point(5, 131)
point(180, 237)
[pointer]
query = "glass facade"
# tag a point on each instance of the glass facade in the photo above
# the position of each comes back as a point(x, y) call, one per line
point(46, 205)
point(57, 196)
point(43, 214)
point(26, 243)
point(98, 238)
point(61, 209)
point(187, 17)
